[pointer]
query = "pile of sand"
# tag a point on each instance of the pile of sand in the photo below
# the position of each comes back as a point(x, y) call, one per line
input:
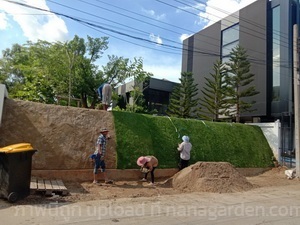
point(219, 177)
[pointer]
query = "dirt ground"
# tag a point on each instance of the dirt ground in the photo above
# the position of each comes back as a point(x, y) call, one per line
point(86, 191)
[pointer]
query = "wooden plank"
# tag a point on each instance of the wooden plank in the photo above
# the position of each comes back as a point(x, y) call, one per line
point(62, 187)
point(33, 183)
point(40, 185)
point(55, 186)
point(48, 187)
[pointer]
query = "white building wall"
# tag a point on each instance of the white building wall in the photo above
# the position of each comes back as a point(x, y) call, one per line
point(272, 134)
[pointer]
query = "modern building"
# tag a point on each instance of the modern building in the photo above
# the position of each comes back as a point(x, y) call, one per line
point(156, 92)
point(265, 30)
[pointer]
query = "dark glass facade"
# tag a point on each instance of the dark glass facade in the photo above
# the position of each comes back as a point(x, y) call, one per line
point(276, 53)
point(265, 29)
point(283, 17)
point(230, 39)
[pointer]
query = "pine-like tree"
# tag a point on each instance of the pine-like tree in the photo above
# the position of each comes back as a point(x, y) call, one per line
point(183, 102)
point(239, 78)
point(214, 101)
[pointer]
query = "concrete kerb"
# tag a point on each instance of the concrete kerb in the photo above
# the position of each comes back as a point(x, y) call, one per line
point(87, 174)
point(82, 175)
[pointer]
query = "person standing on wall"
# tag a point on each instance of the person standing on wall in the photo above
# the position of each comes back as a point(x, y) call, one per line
point(149, 163)
point(184, 148)
point(99, 156)
point(105, 93)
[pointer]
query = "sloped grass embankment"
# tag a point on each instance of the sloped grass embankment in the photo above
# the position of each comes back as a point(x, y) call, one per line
point(137, 134)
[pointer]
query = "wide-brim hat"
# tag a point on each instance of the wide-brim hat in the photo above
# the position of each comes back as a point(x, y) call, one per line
point(142, 160)
point(103, 130)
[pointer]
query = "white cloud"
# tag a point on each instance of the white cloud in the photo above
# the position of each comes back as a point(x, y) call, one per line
point(216, 9)
point(184, 36)
point(35, 26)
point(3, 21)
point(156, 39)
point(153, 14)
point(168, 72)
point(162, 66)
point(196, 7)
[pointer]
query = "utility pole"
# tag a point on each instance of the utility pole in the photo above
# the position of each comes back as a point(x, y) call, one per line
point(296, 98)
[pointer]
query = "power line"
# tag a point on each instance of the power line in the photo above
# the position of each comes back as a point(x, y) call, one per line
point(241, 19)
point(108, 29)
point(126, 17)
point(168, 23)
point(122, 24)
point(153, 24)
point(123, 34)
point(111, 20)
point(173, 6)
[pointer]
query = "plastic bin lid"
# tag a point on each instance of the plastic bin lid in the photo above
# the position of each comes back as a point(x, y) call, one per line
point(21, 147)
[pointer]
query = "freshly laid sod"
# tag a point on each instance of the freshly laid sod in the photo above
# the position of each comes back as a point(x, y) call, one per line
point(139, 134)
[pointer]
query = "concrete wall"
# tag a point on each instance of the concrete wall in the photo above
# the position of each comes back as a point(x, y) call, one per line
point(272, 134)
point(64, 136)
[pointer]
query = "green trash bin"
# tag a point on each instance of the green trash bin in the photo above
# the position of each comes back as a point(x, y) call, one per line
point(15, 171)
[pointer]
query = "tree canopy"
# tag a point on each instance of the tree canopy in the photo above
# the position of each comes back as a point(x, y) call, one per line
point(45, 71)
point(214, 101)
point(239, 78)
point(183, 102)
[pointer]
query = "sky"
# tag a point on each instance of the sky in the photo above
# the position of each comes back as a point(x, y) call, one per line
point(149, 29)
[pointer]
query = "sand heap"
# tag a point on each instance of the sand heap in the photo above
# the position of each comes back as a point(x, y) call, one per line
point(219, 177)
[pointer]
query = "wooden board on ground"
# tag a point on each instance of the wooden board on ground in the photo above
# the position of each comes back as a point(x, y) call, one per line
point(40, 184)
point(55, 186)
point(48, 187)
point(33, 185)
point(62, 187)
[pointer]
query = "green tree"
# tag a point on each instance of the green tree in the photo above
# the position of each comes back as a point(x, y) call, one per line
point(75, 51)
point(42, 71)
point(87, 76)
point(183, 101)
point(239, 78)
point(214, 101)
point(116, 71)
point(119, 69)
point(10, 75)
point(141, 82)
point(26, 74)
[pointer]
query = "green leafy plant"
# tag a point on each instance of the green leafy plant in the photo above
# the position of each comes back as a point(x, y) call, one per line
point(141, 134)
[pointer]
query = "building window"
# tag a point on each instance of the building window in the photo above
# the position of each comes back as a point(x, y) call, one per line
point(230, 39)
point(276, 52)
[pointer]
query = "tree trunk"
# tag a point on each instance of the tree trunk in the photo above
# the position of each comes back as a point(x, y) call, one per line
point(84, 100)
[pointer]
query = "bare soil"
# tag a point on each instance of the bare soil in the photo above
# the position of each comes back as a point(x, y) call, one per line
point(87, 191)
point(219, 177)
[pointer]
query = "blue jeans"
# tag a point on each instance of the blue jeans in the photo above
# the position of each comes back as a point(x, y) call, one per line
point(99, 163)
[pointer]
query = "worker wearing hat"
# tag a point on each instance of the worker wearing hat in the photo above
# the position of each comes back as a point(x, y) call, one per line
point(149, 163)
point(99, 155)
